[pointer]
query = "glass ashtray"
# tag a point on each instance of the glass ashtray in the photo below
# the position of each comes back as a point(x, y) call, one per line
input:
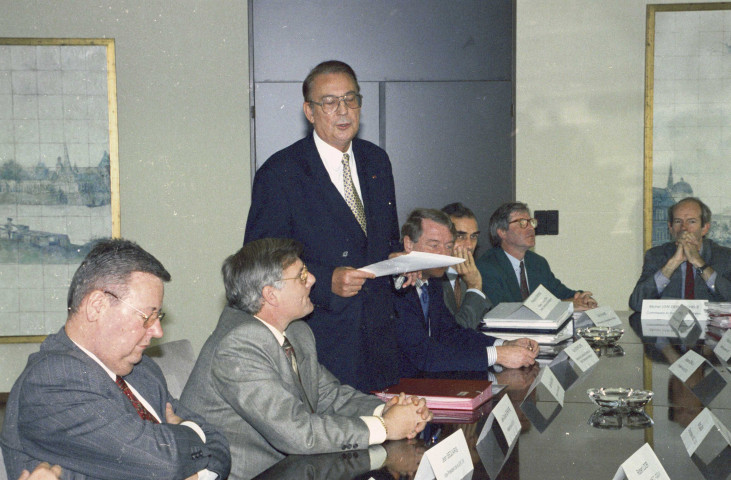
point(601, 336)
point(620, 398)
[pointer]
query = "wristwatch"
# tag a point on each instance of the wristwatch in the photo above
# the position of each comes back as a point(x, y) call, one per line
point(702, 268)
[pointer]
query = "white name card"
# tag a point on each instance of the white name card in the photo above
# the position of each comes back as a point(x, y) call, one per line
point(541, 302)
point(549, 380)
point(507, 418)
point(603, 316)
point(686, 365)
point(664, 309)
point(448, 459)
point(642, 465)
point(723, 349)
point(700, 427)
point(653, 327)
point(582, 354)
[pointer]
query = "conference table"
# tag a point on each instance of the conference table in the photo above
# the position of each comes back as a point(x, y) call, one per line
point(560, 442)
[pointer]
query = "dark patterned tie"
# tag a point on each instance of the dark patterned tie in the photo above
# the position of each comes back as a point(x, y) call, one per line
point(424, 298)
point(351, 194)
point(689, 282)
point(289, 351)
point(457, 292)
point(523, 282)
point(141, 410)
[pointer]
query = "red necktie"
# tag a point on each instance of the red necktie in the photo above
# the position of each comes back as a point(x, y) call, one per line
point(141, 410)
point(689, 282)
point(523, 282)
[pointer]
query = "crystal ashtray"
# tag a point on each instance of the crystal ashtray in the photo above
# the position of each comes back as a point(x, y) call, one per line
point(601, 336)
point(620, 398)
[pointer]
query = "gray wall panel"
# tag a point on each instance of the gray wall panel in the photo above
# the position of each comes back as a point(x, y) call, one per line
point(447, 143)
point(384, 40)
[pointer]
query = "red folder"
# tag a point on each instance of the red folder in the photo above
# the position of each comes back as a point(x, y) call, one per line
point(443, 393)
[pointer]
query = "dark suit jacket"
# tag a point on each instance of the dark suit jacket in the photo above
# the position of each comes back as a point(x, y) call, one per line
point(713, 254)
point(450, 347)
point(293, 197)
point(500, 284)
point(65, 409)
point(244, 384)
point(472, 308)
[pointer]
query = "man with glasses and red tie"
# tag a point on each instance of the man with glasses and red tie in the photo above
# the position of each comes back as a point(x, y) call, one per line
point(91, 402)
point(259, 380)
point(334, 193)
point(511, 271)
point(691, 266)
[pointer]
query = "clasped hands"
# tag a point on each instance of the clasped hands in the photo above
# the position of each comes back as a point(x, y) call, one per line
point(688, 250)
point(405, 416)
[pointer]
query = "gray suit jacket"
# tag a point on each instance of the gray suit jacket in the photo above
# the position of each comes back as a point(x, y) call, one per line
point(244, 384)
point(473, 307)
point(64, 409)
point(713, 254)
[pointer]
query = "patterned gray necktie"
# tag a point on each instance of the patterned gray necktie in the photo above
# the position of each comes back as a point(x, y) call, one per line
point(351, 194)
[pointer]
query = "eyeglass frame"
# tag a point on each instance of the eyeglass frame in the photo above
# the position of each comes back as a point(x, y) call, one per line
point(357, 96)
point(147, 320)
point(302, 277)
point(523, 222)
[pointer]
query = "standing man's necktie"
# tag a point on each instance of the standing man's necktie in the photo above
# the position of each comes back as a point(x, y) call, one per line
point(457, 292)
point(289, 351)
point(689, 282)
point(523, 281)
point(351, 194)
point(141, 410)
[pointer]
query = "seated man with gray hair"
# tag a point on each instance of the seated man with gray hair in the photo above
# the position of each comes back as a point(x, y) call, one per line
point(258, 378)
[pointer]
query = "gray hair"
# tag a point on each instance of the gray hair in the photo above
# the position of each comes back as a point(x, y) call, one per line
point(705, 211)
point(256, 265)
point(329, 66)
point(500, 218)
point(413, 228)
point(111, 262)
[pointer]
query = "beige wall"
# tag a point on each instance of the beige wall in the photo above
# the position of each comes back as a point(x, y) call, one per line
point(183, 100)
point(184, 137)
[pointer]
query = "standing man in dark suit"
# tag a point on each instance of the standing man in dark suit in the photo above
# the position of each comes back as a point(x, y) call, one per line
point(511, 271)
point(462, 283)
point(334, 193)
point(90, 402)
point(258, 378)
point(691, 266)
point(430, 340)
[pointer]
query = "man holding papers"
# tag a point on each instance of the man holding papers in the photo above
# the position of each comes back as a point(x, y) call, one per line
point(429, 339)
point(691, 266)
point(511, 271)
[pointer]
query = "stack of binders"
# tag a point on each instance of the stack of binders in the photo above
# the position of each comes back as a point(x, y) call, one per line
point(511, 320)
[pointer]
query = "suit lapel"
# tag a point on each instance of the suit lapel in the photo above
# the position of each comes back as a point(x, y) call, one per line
point(327, 192)
point(509, 273)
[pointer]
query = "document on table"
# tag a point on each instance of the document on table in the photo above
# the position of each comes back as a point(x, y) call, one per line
point(411, 262)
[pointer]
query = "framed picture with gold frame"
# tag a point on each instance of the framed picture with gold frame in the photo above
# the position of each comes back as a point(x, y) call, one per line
point(59, 173)
point(687, 114)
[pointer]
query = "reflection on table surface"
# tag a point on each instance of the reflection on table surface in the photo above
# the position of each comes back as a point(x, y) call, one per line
point(560, 442)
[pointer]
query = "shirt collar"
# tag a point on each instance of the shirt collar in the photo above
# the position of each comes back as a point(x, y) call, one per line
point(329, 154)
point(277, 334)
point(111, 374)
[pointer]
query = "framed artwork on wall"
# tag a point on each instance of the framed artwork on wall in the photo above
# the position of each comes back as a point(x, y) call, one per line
point(687, 114)
point(59, 173)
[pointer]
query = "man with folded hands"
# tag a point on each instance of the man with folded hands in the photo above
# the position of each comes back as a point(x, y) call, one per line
point(430, 340)
point(258, 378)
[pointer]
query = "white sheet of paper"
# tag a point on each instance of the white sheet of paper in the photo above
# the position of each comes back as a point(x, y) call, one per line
point(448, 459)
point(582, 354)
point(604, 316)
point(541, 301)
point(723, 349)
point(549, 380)
point(664, 309)
point(642, 465)
point(686, 365)
point(411, 262)
point(507, 419)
